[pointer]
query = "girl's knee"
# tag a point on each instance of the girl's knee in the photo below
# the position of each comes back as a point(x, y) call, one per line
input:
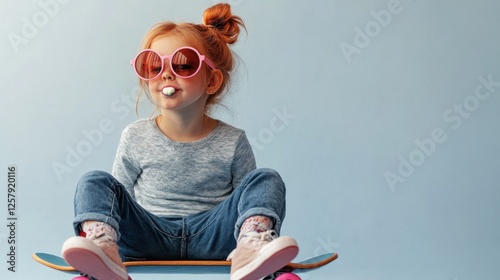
point(266, 179)
point(95, 179)
point(268, 174)
point(95, 175)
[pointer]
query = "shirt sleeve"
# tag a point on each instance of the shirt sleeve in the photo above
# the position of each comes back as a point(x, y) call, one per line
point(125, 167)
point(243, 162)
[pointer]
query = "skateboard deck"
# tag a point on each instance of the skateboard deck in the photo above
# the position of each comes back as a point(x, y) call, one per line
point(185, 266)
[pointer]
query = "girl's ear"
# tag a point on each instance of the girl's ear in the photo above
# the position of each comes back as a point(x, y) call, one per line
point(215, 81)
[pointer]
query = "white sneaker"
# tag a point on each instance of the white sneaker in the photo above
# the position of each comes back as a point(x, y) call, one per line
point(260, 254)
point(100, 262)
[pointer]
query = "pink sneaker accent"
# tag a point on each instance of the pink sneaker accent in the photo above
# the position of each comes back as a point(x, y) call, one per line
point(260, 254)
point(85, 256)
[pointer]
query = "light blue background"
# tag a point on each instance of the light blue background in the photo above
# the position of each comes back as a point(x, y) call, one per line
point(347, 120)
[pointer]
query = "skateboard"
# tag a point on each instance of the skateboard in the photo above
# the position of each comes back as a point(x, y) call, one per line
point(191, 266)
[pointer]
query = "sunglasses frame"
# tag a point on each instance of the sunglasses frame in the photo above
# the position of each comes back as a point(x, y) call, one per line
point(163, 57)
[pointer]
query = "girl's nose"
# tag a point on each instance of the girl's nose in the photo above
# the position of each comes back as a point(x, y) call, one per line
point(167, 72)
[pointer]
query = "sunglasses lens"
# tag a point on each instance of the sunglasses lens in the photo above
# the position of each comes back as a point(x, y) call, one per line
point(148, 65)
point(185, 62)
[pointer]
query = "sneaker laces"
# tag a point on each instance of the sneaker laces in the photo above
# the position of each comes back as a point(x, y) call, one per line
point(256, 239)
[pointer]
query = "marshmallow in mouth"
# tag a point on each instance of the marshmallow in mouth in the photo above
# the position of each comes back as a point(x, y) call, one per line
point(168, 91)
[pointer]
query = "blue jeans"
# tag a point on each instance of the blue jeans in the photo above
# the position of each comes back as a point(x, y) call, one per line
point(206, 235)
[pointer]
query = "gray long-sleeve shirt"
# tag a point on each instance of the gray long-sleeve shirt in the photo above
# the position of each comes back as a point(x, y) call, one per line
point(171, 178)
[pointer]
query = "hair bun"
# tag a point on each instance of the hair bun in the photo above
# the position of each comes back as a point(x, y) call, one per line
point(220, 18)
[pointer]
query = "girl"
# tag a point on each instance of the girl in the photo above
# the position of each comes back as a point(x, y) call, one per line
point(183, 185)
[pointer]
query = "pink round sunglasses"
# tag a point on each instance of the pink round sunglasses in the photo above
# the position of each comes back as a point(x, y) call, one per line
point(185, 62)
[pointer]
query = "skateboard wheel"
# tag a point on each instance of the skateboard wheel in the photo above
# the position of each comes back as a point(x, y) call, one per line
point(288, 276)
point(80, 278)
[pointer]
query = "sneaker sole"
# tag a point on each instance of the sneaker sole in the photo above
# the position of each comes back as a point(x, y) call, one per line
point(269, 261)
point(86, 257)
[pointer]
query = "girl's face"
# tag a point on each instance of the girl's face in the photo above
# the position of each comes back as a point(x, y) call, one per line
point(189, 95)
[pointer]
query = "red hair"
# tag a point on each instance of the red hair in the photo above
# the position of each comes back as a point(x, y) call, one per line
point(220, 28)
